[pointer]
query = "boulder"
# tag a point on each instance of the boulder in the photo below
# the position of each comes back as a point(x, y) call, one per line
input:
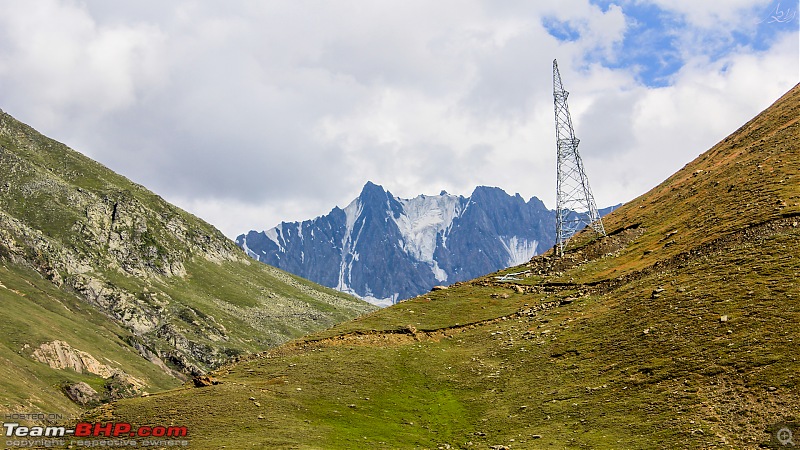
point(204, 380)
point(82, 394)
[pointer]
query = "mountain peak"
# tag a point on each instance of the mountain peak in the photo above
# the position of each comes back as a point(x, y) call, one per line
point(686, 311)
point(385, 248)
point(371, 188)
point(488, 194)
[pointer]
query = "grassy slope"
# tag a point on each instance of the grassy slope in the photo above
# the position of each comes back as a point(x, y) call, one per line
point(586, 357)
point(35, 311)
point(63, 202)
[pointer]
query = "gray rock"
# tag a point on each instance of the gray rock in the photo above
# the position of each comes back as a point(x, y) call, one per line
point(82, 394)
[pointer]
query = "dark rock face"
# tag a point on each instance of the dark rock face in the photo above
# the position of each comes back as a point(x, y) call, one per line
point(384, 249)
point(116, 245)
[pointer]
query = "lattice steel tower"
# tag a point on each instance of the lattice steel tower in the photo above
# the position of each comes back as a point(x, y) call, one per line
point(575, 207)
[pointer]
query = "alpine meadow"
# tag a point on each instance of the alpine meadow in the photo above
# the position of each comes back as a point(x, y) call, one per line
point(677, 330)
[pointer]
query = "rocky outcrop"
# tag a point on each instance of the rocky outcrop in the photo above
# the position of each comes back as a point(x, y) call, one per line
point(60, 355)
point(204, 381)
point(82, 394)
point(129, 254)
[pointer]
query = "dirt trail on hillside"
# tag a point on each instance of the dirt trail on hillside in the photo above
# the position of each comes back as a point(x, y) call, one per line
point(543, 266)
point(548, 266)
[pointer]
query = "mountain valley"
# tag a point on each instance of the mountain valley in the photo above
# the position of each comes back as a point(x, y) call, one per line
point(677, 330)
point(109, 291)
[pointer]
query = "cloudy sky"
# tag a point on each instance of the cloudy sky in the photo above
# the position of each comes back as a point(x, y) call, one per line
point(247, 113)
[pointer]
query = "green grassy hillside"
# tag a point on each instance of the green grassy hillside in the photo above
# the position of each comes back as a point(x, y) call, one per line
point(678, 330)
point(34, 312)
point(91, 263)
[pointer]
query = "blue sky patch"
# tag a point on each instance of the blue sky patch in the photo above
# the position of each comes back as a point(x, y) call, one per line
point(658, 41)
point(561, 30)
point(780, 17)
point(651, 45)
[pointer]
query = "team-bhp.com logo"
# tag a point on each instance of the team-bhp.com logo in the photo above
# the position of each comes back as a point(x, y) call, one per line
point(24, 436)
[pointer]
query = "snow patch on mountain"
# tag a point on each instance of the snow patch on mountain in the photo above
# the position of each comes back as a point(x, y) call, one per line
point(273, 233)
point(384, 248)
point(423, 218)
point(438, 273)
point(349, 255)
point(382, 302)
point(247, 250)
point(519, 250)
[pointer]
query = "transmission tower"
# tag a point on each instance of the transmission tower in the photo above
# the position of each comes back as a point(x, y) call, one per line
point(575, 207)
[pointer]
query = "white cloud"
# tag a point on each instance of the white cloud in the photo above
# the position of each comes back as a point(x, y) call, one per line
point(57, 61)
point(249, 113)
point(234, 217)
point(673, 125)
point(707, 15)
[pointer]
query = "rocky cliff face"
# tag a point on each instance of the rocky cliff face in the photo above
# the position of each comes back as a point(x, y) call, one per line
point(117, 234)
point(384, 248)
point(187, 296)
